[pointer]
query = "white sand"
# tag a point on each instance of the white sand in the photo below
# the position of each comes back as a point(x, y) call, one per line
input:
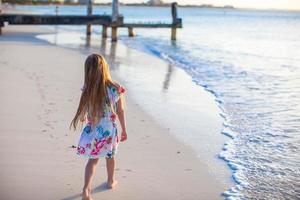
point(39, 88)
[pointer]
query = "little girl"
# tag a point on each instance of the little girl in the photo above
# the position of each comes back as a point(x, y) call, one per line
point(100, 103)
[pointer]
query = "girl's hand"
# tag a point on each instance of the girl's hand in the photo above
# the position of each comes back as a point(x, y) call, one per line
point(123, 136)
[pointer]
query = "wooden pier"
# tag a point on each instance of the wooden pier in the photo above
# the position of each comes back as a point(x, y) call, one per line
point(106, 21)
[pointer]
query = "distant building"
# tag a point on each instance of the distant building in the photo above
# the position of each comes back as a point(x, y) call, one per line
point(155, 2)
point(206, 6)
point(83, 1)
point(229, 6)
point(48, 1)
point(71, 1)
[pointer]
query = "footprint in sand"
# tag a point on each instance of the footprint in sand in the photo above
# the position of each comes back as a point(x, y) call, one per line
point(47, 111)
point(4, 62)
point(49, 125)
point(39, 117)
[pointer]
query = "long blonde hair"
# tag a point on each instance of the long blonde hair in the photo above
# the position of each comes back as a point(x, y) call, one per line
point(94, 93)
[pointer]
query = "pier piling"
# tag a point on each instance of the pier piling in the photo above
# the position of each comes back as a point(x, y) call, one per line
point(89, 13)
point(104, 31)
point(174, 20)
point(173, 33)
point(114, 33)
point(130, 32)
point(115, 16)
point(1, 26)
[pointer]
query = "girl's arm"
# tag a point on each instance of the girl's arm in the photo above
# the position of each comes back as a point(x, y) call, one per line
point(121, 117)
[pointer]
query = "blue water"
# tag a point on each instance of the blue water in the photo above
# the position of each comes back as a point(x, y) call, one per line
point(250, 61)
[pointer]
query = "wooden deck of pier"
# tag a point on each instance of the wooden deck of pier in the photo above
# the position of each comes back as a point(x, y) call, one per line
point(106, 21)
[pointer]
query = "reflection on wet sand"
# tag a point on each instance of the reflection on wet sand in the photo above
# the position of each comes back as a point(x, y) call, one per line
point(103, 46)
point(88, 41)
point(168, 78)
point(115, 63)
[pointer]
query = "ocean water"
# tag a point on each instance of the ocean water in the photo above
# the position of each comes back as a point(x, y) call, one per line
point(250, 61)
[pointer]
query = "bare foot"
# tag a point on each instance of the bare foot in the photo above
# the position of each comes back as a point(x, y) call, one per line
point(111, 184)
point(86, 195)
point(87, 198)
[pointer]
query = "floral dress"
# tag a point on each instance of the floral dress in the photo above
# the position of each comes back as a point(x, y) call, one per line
point(102, 141)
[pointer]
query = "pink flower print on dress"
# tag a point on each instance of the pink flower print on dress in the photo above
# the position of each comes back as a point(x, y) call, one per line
point(113, 117)
point(100, 144)
point(80, 150)
point(121, 90)
point(94, 152)
point(109, 140)
point(88, 145)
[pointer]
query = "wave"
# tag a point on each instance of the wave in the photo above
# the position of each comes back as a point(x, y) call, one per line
point(244, 99)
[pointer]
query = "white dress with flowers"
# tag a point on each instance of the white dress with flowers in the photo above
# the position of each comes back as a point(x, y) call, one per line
point(103, 140)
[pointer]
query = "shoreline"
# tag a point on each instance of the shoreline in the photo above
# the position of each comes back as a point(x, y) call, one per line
point(135, 173)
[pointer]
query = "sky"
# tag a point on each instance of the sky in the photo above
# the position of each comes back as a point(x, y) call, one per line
point(256, 4)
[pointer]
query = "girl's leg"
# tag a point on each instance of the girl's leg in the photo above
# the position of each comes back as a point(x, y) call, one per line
point(110, 167)
point(89, 172)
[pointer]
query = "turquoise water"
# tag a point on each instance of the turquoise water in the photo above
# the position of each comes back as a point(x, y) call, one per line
point(250, 61)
